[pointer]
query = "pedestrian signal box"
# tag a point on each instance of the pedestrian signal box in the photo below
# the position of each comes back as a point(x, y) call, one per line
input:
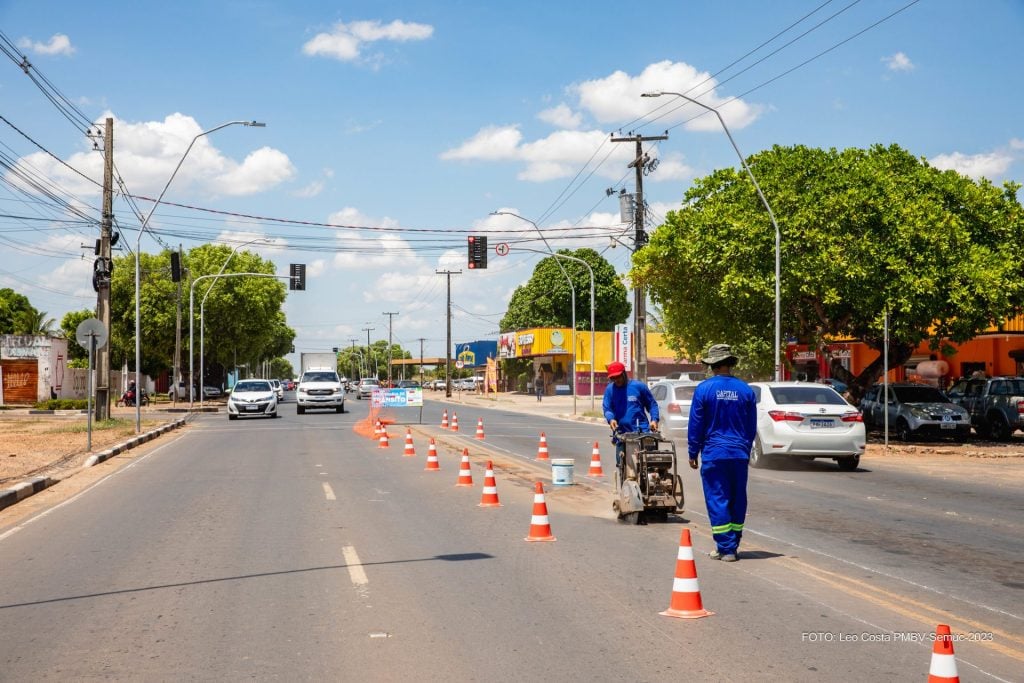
point(477, 251)
point(297, 280)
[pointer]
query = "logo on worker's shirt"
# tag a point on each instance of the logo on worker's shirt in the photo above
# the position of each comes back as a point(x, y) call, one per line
point(727, 395)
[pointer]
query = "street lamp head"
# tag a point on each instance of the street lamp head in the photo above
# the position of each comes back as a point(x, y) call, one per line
point(254, 124)
point(651, 94)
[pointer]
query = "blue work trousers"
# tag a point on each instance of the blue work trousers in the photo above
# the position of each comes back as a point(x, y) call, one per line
point(725, 493)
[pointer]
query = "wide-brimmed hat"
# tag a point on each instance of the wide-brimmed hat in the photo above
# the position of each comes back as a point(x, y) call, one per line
point(718, 353)
point(615, 369)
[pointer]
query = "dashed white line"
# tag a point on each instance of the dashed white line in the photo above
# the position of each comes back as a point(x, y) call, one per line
point(355, 566)
point(328, 491)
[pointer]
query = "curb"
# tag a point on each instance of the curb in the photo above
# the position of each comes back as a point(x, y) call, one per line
point(24, 489)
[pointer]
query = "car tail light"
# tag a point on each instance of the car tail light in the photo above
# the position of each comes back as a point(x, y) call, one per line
point(1020, 407)
point(784, 416)
point(674, 408)
point(852, 417)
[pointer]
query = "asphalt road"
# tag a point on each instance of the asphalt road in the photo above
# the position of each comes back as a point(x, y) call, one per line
point(295, 549)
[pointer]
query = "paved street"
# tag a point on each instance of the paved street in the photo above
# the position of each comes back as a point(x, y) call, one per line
point(295, 549)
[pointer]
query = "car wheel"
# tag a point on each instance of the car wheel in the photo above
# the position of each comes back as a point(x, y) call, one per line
point(757, 457)
point(300, 410)
point(848, 464)
point(983, 429)
point(1001, 430)
point(232, 417)
point(276, 414)
point(903, 432)
point(341, 409)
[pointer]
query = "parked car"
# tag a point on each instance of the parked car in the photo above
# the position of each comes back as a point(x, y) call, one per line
point(995, 404)
point(437, 384)
point(366, 387)
point(464, 384)
point(320, 389)
point(179, 393)
point(408, 384)
point(808, 421)
point(252, 398)
point(691, 376)
point(915, 409)
point(278, 389)
point(211, 392)
point(674, 398)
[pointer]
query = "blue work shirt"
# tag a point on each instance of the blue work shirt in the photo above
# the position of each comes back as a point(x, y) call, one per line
point(629, 405)
point(723, 419)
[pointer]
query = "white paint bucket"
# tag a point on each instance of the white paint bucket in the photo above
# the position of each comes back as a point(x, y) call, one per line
point(561, 471)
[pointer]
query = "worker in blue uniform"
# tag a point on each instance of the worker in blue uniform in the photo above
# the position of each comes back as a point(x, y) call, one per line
point(626, 405)
point(723, 425)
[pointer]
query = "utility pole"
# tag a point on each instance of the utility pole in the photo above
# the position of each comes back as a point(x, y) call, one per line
point(391, 318)
point(177, 338)
point(641, 163)
point(102, 273)
point(421, 340)
point(367, 330)
point(448, 342)
point(352, 358)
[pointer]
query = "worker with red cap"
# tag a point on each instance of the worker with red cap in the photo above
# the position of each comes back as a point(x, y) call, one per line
point(626, 405)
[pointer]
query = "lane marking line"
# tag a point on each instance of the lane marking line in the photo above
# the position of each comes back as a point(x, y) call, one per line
point(355, 566)
point(328, 491)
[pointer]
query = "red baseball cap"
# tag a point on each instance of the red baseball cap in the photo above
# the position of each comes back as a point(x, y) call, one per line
point(615, 369)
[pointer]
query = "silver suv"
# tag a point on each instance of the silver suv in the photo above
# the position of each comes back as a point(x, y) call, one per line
point(915, 409)
point(996, 404)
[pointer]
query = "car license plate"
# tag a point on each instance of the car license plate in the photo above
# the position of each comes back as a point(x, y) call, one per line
point(818, 423)
point(252, 407)
point(948, 425)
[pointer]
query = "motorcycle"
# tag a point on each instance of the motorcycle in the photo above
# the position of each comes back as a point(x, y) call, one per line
point(128, 399)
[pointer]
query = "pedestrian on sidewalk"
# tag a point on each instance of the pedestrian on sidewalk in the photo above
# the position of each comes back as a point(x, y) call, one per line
point(723, 425)
point(538, 386)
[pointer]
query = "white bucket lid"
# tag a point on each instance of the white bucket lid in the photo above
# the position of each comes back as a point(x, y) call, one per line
point(562, 462)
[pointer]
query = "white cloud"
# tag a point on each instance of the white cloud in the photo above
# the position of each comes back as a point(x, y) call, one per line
point(974, 165)
point(898, 62)
point(345, 41)
point(148, 152)
point(561, 117)
point(59, 44)
point(616, 98)
point(310, 190)
point(316, 267)
point(1016, 143)
point(491, 143)
point(672, 167)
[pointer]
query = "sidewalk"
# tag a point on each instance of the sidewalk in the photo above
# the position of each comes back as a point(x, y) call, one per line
point(551, 406)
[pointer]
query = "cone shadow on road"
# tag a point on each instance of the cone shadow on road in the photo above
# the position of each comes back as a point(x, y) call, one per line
point(451, 557)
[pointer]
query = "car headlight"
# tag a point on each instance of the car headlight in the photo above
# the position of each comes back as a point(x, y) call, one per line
point(918, 412)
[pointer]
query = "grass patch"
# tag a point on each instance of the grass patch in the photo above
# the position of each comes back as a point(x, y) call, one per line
point(63, 404)
point(98, 425)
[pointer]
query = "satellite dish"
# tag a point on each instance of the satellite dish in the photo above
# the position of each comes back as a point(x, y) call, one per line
point(91, 328)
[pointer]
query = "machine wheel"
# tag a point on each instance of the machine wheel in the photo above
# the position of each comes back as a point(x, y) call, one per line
point(632, 518)
point(848, 464)
point(1000, 429)
point(300, 410)
point(903, 432)
point(757, 457)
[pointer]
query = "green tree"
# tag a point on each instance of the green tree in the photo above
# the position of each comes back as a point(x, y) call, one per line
point(33, 323)
point(12, 306)
point(281, 368)
point(862, 231)
point(546, 299)
point(77, 356)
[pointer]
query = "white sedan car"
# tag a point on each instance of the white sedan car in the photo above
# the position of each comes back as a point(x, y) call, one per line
point(252, 398)
point(806, 420)
point(674, 398)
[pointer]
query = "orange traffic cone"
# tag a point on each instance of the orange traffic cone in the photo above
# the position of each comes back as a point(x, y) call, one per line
point(376, 429)
point(540, 527)
point(455, 422)
point(489, 498)
point(410, 450)
point(465, 474)
point(595, 463)
point(686, 602)
point(432, 463)
point(444, 419)
point(542, 447)
point(479, 428)
point(383, 442)
point(943, 667)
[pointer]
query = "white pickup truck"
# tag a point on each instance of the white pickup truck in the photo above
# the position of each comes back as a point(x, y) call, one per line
point(320, 388)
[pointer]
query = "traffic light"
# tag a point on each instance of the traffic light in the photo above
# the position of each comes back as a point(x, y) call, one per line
point(297, 281)
point(175, 267)
point(477, 251)
point(335, 349)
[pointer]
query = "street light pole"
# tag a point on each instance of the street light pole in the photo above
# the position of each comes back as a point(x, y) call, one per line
point(771, 216)
point(138, 270)
point(572, 290)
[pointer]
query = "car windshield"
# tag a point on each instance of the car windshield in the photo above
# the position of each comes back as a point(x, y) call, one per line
point(685, 393)
point(1010, 387)
point(805, 395)
point(252, 386)
point(919, 395)
point(369, 382)
point(320, 377)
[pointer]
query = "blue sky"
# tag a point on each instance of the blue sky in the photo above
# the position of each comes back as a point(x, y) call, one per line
point(405, 124)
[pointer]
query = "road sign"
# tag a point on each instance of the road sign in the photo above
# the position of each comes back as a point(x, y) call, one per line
point(459, 364)
point(91, 327)
point(501, 249)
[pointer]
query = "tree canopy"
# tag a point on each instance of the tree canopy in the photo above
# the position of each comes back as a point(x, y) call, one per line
point(78, 357)
point(19, 316)
point(546, 299)
point(862, 231)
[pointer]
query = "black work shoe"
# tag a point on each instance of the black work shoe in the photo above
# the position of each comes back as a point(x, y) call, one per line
point(726, 557)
